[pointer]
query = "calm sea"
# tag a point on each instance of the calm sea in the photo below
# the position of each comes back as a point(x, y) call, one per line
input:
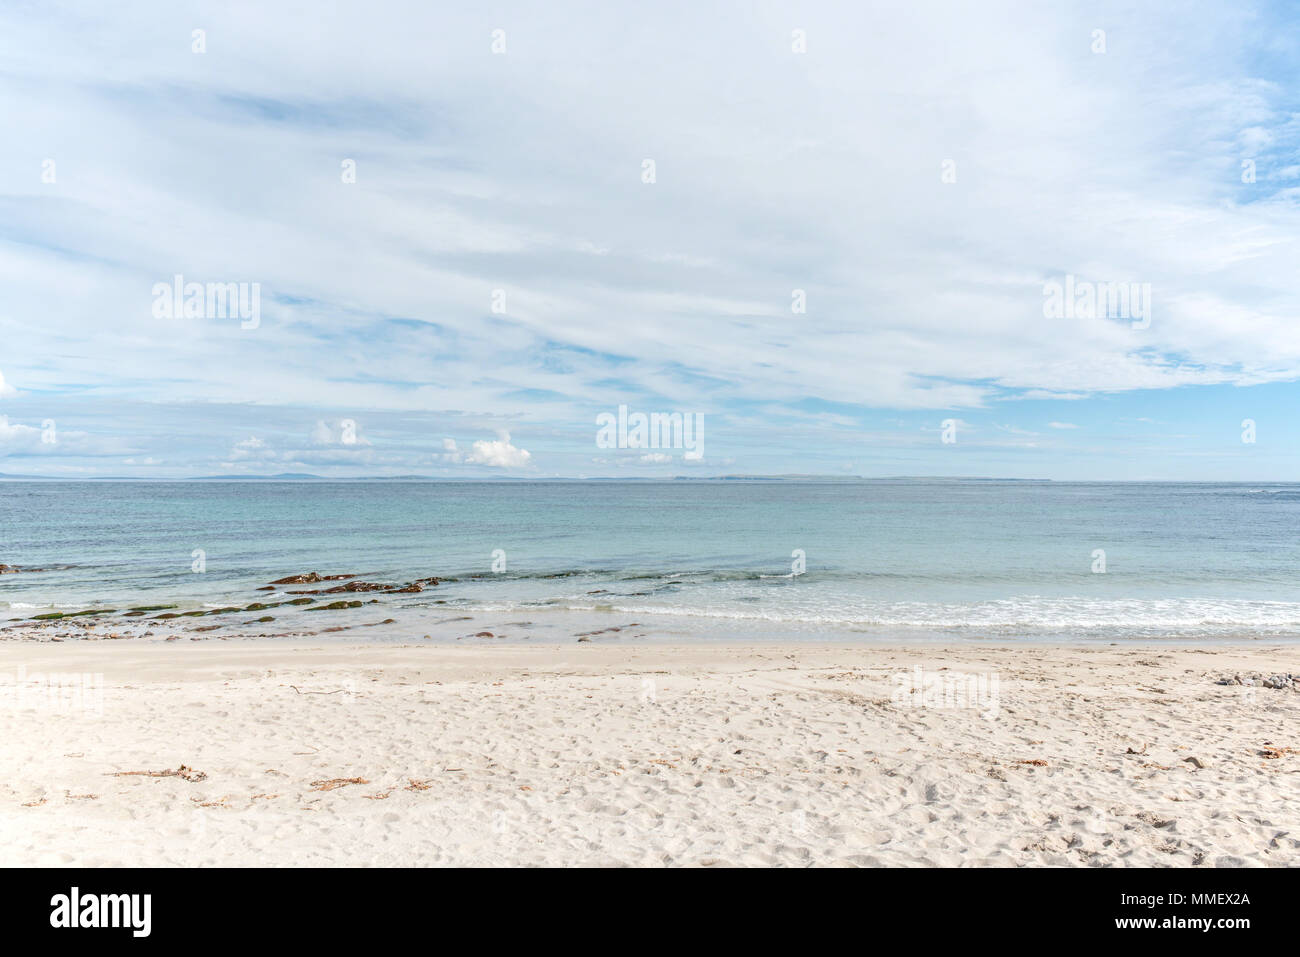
point(880, 559)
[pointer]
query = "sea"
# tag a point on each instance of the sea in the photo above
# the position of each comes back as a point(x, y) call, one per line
point(854, 560)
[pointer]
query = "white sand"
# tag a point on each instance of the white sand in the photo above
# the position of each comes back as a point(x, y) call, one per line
point(648, 755)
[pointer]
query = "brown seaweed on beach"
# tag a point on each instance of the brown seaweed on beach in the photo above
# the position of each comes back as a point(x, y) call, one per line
point(1035, 762)
point(220, 802)
point(1274, 752)
point(184, 771)
point(332, 783)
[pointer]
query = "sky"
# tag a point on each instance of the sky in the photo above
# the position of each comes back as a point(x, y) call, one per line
point(829, 231)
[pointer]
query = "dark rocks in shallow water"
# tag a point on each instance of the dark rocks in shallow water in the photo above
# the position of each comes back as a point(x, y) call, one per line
point(355, 586)
point(359, 586)
point(9, 569)
point(300, 601)
point(311, 578)
point(54, 615)
point(336, 605)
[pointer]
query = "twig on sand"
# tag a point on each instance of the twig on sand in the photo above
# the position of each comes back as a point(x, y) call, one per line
point(335, 691)
point(333, 783)
point(188, 773)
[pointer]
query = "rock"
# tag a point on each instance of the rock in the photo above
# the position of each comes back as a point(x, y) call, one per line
point(9, 569)
point(1196, 762)
point(355, 586)
point(336, 605)
point(485, 634)
point(311, 578)
point(1278, 682)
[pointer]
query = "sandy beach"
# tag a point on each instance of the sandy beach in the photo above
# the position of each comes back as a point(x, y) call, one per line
point(303, 753)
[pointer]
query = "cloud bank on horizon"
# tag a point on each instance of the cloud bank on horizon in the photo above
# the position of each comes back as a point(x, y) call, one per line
point(833, 232)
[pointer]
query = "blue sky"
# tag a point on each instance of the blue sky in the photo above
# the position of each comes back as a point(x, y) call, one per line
point(500, 273)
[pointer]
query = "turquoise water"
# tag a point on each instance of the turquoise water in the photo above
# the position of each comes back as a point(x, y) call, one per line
point(887, 559)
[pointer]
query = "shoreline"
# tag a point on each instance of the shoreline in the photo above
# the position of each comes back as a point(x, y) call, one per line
point(652, 754)
point(346, 608)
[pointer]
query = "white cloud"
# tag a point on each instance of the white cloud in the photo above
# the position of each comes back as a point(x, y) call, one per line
point(6, 390)
point(251, 449)
point(498, 454)
point(494, 454)
point(1062, 425)
point(322, 434)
